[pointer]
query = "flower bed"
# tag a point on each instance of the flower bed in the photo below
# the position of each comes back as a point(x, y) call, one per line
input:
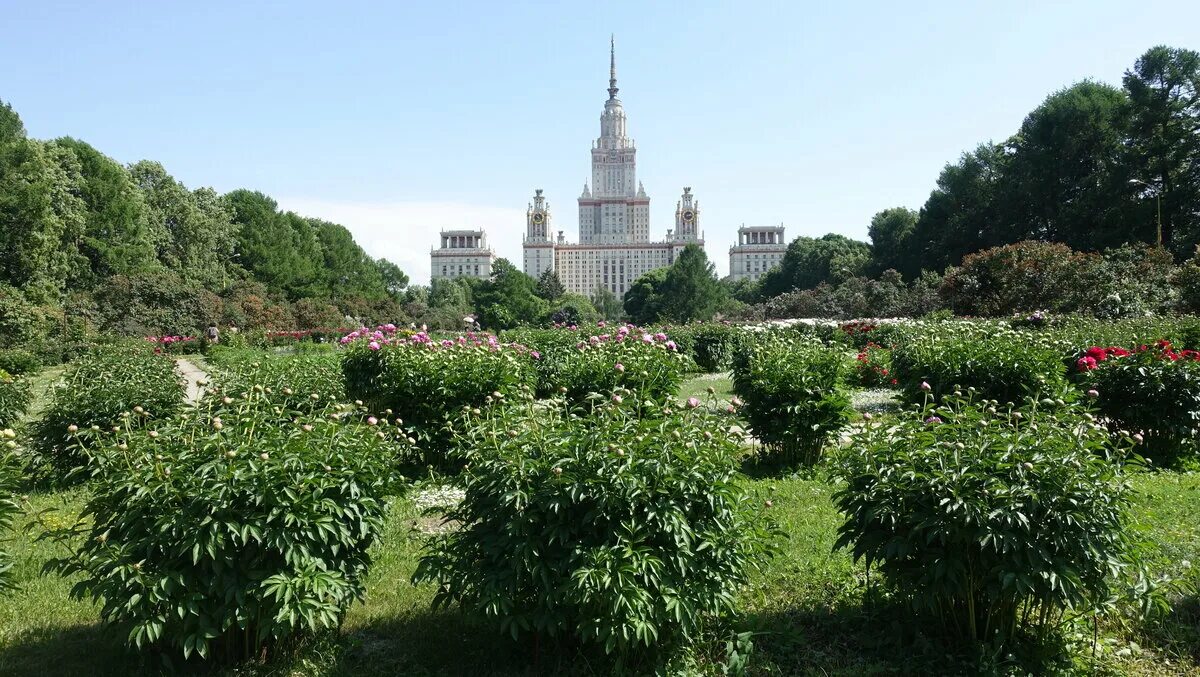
point(649, 364)
point(174, 345)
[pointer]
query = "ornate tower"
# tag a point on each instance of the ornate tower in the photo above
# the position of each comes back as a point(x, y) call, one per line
point(537, 219)
point(615, 210)
point(687, 216)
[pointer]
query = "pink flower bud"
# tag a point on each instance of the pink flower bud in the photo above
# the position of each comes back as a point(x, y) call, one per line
point(692, 403)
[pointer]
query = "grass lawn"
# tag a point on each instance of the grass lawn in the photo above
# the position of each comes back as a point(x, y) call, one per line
point(809, 607)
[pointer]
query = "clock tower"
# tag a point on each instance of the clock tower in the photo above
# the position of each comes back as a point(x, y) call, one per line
point(537, 219)
point(687, 216)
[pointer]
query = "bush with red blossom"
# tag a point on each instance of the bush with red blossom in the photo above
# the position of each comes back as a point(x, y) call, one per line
point(1152, 390)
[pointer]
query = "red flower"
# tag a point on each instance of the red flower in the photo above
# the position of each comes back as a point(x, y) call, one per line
point(1086, 363)
point(1096, 353)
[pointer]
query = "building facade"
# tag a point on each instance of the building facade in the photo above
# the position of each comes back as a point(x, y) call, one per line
point(462, 253)
point(757, 251)
point(614, 246)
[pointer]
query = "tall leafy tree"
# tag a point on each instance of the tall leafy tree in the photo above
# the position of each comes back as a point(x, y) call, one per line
point(690, 291)
point(1066, 180)
point(507, 299)
point(549, 287)
point(116, 239)
point(891, 232)
point(809, 262)
point(607, 304)
point(642, 298)
point(1164, 94)
point(961, 214)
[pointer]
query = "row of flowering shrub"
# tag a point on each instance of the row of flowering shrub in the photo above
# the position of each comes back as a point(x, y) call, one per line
point(321, 335)
point(99, 390)
point(1149, 390)
point(225, 529)
point(619, 524)
point(429, 383)
point(795, 395)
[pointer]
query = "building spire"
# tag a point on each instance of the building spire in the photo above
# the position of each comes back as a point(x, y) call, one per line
point(612, 67)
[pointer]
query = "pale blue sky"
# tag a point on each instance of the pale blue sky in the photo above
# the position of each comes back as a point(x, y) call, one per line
point(397, 119)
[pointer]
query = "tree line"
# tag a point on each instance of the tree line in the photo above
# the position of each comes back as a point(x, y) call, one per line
point(91, 244)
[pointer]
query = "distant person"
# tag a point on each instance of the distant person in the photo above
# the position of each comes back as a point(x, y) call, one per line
point(212, 333)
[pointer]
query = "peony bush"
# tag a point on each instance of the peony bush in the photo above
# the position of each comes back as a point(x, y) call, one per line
point(301, 382)
point(14, 398)
point(429, 383)
point(620, 526)
point(1149, 390)
point(229, 528)
point(795, 396)
point(997, 521)
point(630, 358)
point(97, 391)
point(10, 478)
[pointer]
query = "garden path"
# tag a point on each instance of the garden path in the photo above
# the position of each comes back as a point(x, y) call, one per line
point(195, 377)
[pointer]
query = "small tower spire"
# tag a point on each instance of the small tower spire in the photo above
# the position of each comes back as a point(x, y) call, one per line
point(612, 67)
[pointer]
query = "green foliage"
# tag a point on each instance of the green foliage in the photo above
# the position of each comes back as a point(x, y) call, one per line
point(873, 367)
point(627, 358)
point(14, 398)
point(428, 384)
point(690, 290)
point(641, 300)
point(572, 309)
point(10, 479)
point(711, 345)
point(618, 527)
point(99, 390)
point(301, 382)
point(1001, 364)
point(992, 519)
point(795, 395)
point(810, 262)
point(507, 299)
point(549, 286)
point(18, 362)
point(1154, 392)
point(224, 530)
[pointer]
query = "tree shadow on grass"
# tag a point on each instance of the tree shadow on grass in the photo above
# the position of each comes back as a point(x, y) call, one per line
point(91, 650)
point(427, 643)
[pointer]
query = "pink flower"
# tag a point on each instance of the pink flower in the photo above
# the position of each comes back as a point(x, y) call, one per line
point(670, 345)
point(600, 324)
point(660, 336)
point(373, 345)
point(1085, 363)
point(646, 338)
point(620, 368)
point(693, 402)
point(536, 355)
point(617, 399)
point(925, 386)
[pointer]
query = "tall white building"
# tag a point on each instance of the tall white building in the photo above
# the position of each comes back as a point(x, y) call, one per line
point(614, 246)
point(758, 249)
point(462, 253)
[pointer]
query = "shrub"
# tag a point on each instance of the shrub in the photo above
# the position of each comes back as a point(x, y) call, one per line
point(795, 395)
point(1001, 364)
point(14, 398)
point(19, 362)
point(97, 389)
point(1151, 390)
point(619, 526)
point(10, 477)
point(711, 345)
point(224, 530)
point(993, 519)
point(301, 382)
point(873, 366)
point(429, 383)
point(627, 358)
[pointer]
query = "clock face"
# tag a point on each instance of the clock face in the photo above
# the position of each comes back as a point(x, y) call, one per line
point(538, 218)
point(689, 216)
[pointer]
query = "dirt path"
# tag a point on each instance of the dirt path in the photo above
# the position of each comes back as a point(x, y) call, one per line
point(196, 379)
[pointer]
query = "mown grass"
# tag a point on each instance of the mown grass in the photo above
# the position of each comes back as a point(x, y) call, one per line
point(810, 607)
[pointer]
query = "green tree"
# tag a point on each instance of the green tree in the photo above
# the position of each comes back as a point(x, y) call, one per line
point(891, 232)
point(192, 230)
point(690, 291)
point(1164, 94)
point(607, 304)
point(572, 309)
point(809, 262)
point(549, 287)
point(507, 299)
point(395, 282)
point(1067, 175)
point(116, 239)
point(642, 299)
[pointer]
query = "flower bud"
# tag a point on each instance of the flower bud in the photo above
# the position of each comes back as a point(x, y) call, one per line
point(1093, 393)
point(617, 399)
point(557, 471)
point(692, 403)
point(371, 420)
point(1139, 438)
point(72, 428)
point(139, 410)
point(264, 456)
point(926, 387)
